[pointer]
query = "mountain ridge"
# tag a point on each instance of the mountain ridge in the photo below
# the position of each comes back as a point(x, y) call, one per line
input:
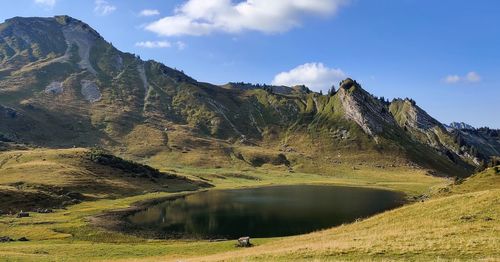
point(76, 89)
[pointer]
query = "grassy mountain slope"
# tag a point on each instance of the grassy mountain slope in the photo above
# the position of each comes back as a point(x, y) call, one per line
point(84, 92)
point(53, 178)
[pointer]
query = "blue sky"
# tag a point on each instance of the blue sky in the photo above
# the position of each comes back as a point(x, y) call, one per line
point(444, 54)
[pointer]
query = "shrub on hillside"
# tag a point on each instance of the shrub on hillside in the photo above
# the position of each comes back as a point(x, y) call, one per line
point(103, 158)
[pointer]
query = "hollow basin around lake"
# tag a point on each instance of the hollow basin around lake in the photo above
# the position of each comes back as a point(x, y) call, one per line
point(262, 212)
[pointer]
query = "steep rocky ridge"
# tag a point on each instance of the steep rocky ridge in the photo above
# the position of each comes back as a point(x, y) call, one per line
point(457, 145)
point(361, 107)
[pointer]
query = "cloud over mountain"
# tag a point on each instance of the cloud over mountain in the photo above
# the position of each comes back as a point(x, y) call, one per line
point(316, 76)
point(204, 17)
point(154, 44)
point(161, 44)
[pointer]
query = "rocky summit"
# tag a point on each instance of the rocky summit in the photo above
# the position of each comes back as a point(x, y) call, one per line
point(63, 85)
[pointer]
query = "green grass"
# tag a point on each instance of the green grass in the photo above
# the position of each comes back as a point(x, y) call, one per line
point(39, 178)
point(456, 223)
point(70, 235)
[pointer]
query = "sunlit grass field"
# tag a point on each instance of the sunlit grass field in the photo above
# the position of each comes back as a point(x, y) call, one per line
point(459, 222)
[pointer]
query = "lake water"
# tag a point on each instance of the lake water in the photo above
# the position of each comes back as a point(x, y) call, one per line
point(262, 212)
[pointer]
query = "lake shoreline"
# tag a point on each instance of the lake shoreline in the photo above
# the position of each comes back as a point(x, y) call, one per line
point(117, 220)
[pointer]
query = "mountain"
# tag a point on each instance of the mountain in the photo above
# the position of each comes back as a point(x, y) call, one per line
point(63, 85)
point(460, 125)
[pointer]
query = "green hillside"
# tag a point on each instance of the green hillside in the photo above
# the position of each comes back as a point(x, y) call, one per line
point(76, 89)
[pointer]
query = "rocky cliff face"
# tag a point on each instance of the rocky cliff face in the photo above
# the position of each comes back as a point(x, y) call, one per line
point(62, 84)
point(482, 143)
point(361, 107)
point(455, 144)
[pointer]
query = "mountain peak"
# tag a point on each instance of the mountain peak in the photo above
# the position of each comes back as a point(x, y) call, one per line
point(66, 20)
point(409, 115)
point(363, 108)
point(19, 23)
point(348, 83)
point(25, 40)
point(460, 125)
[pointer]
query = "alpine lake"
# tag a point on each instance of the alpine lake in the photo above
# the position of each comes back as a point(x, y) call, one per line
point(271, 211)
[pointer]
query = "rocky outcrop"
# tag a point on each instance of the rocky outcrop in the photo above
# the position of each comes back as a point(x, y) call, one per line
point(429, 131)
point(414, 117)
point(482, 142)
point(90, 91)
point(54, 88)
point(80, 34)
point(144, 79)
point(364, 109)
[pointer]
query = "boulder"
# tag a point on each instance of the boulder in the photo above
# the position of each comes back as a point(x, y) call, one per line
point(5, 239)
point(244, 242)
point(23, 214)
point(44, 210)
point(75, 195)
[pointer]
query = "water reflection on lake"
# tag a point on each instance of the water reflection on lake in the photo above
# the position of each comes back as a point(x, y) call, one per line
point(263, 212)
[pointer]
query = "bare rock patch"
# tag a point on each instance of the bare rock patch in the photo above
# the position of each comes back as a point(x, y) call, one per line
point(54, 88)
point(90, 91)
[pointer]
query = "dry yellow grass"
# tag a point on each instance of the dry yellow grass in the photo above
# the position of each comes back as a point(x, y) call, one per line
point(461, 226)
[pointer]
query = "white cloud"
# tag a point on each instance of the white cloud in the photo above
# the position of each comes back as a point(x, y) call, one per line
point(203, 17)
point(313, 75)
point(180, 45)
point(451, 79)
point(149, 12)
point(103, 7)
point(154, 44)
point(471, 77)
point(161, 44)
point(47, 3)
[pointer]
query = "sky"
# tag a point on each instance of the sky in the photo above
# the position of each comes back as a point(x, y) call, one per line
point(444, 54)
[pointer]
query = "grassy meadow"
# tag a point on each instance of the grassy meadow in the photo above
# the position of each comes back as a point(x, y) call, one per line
point(457, 222)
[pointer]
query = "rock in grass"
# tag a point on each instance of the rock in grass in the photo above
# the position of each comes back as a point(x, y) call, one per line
point(23, 214)
point(244, 242)
point(44, 210)
point(23, 239)
point(5, 239)
point(75, 195)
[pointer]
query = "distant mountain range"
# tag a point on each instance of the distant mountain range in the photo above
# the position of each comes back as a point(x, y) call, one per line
point(460, 125)
point(63, 85)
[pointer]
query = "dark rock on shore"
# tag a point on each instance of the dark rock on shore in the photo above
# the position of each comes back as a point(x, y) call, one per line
point(5, 239)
